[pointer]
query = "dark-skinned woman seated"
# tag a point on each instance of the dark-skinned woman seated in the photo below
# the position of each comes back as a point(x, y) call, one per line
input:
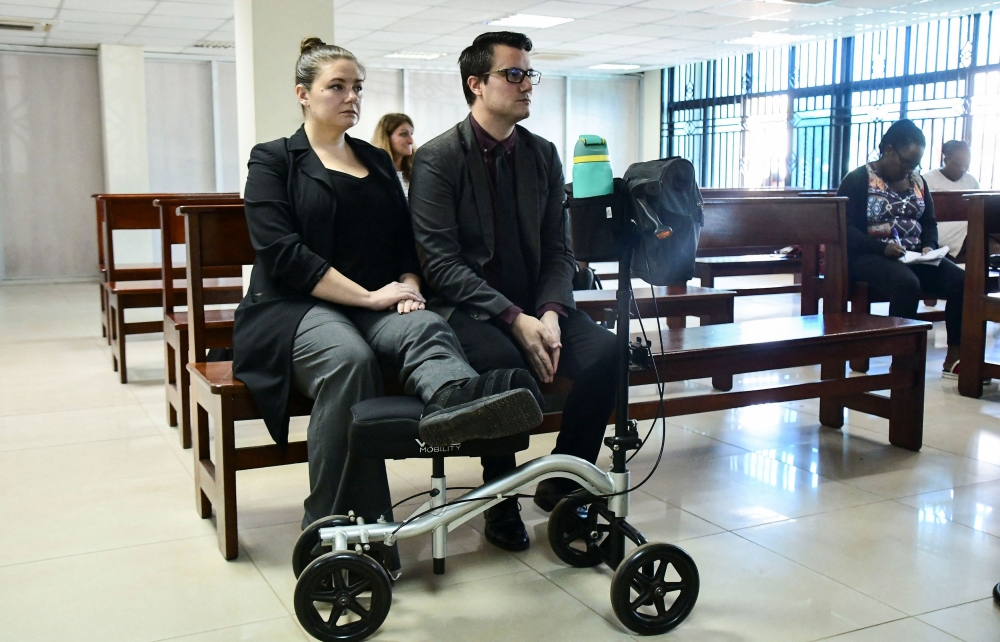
point(335, 292)
point(889, 212)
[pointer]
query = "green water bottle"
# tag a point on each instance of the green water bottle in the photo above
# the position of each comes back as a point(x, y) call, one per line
point(591, 167)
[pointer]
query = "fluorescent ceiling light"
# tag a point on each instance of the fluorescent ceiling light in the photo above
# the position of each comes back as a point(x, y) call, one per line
point(614, 67)
point(529, 21)
point(415, 55)
point(768, 39)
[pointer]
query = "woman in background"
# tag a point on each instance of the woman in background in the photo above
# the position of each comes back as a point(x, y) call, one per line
point(889, 212)
point(394, 134)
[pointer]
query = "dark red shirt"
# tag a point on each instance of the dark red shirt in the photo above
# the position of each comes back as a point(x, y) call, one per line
point(492, 268)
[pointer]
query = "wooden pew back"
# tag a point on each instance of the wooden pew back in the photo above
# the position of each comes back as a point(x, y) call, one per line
point(218, 242)
point(809, 222)
point(125, 212)
point(172, 233)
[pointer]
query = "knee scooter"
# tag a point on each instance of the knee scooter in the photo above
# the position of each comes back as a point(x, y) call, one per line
point(345, 594)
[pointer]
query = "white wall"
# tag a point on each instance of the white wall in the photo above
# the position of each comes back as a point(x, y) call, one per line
point(50, 164)
point(383, 94)
point(227, 152)
point(180, 126)
point(608, 108)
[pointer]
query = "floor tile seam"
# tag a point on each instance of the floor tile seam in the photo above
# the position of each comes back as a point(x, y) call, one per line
point(904, 614)
point(616, 624)
point(77, 443)
point(956, 487)
point(267, 581)
point(489, 577)
point(952, 521)
point(98, 407)
point(863, 628)
point(978, 599)
point(202, 632)
point(879, 500)
point(105, 550)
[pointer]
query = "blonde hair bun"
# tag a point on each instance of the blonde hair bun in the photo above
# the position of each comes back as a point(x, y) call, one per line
point(309, 44)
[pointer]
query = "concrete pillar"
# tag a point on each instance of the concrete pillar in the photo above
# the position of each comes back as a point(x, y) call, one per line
point(650, 125)
point(122, 76)
point(268, 34)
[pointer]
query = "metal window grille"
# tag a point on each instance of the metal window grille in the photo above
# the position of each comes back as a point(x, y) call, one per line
point(807, 114)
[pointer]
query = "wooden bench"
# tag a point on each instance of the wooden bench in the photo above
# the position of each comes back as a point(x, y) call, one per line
point(980, 305)
point(136, 212)
point(217, 239)
point(771, 344)
point(218, 323)
point(214, 242)
point(116, 203)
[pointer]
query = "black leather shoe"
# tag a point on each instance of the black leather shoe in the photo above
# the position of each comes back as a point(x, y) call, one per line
point(504, 528)
point(550, 491)
point(497, 404)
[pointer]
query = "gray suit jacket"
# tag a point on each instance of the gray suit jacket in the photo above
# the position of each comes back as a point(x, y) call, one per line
point(453, 222)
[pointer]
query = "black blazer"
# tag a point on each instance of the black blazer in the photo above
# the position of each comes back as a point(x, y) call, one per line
point(290, 206)
point(453, 222)
point(855, 188)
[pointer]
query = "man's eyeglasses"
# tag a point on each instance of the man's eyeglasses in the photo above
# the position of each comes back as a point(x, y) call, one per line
point(516, 75)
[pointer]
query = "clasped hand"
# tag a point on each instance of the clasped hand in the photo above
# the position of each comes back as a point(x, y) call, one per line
point(405, 296)
point(541, 342)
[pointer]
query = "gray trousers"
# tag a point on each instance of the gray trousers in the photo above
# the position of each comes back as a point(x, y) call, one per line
point(335, 361)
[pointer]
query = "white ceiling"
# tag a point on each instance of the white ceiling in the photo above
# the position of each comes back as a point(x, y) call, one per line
point(649, 33)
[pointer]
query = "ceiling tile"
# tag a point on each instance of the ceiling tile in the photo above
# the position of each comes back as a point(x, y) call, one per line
point(429, 27)
point(96, 17)
point(638, 16)
point(701, 20)
point(89, 27)
point(468, 15)
point(681, 5)
point(25, 11)
point(380, 7)
point(870, 4)
point(173, 34)
point(567, 9)
point(350, 21)
point(616, 39)
point(189, 9)
point(394, 39)
point(589, 25)
point(660, 30)
point(749, 9)
point(816, 14)
point(121, 6)
point(176, 22)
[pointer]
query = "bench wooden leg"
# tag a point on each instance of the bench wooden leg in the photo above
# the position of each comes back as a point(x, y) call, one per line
point(116, 317)
point(723, 383)
point(215, 482)
point(970, 376)
point(225, 479)
point(906, 405)
point(676, 323)
point(831, 409)
point(105, 332)
point(184, 389)
point(170, 377)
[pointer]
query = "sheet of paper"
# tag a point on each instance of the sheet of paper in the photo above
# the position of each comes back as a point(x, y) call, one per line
point(931, 258)
point(247, 269)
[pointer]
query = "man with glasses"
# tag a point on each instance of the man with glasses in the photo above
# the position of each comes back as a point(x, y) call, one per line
point(487, 203)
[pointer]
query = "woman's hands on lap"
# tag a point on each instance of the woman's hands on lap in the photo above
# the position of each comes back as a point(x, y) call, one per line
point(404, 296)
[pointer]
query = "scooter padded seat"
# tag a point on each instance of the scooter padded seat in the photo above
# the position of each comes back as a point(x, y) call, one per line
point(386, 428)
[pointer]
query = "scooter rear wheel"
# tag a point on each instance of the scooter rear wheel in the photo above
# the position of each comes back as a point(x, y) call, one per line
point(578, 527)
point(342, 597)
point(308, 546)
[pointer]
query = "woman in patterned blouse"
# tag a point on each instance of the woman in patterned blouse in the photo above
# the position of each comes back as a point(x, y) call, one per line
point(890, 212)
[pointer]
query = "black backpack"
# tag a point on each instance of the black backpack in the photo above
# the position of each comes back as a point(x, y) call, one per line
point(663, 197)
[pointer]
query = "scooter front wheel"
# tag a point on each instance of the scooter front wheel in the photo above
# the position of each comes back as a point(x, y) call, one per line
point(655, 588)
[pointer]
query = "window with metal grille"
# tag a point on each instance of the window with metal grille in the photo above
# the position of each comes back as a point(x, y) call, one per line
point(807, 114)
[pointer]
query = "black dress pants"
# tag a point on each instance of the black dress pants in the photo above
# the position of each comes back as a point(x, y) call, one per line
point(588, 358)
point(904, 285)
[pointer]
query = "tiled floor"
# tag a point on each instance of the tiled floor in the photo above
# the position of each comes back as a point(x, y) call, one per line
point(800, 532)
